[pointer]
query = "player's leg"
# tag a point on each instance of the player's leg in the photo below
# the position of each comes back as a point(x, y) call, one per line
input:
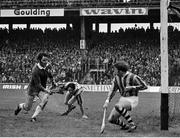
point(40, 107)
point(36, 98)
point(25, 106)
point(79, 101)
point(114, 118)
point(70, 105)
point(123, 107)
point(75, 97)
point(134, 100)
point(67, 97)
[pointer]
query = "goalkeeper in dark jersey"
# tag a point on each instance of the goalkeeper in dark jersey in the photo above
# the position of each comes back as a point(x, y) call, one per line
point(37, 84)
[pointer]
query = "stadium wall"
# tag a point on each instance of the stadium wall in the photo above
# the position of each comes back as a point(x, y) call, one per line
point(87, 88)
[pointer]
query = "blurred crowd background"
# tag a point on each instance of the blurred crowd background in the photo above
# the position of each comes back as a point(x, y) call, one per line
point(138, 46)
point(77, 3)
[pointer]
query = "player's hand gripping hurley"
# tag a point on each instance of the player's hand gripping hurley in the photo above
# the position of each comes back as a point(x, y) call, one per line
point(103, 121)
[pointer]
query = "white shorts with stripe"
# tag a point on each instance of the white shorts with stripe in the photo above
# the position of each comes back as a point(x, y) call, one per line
point(132, 100)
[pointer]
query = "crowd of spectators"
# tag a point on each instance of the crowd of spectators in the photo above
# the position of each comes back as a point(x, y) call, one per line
point(139, 47)
point(19, 48)
point(75, 3)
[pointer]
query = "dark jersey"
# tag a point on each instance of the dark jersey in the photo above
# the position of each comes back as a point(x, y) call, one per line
point(38, 80)
point(129, 79)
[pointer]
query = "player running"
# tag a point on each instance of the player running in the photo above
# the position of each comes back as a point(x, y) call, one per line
point(128, 85)
point(73, 94)
point(37, 84)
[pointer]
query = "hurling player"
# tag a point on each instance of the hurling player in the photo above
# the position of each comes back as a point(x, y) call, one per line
point(36, 85)
point(73, 94)
point(128, 85)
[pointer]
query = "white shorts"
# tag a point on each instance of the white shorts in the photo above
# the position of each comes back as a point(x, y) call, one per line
point(133, 100)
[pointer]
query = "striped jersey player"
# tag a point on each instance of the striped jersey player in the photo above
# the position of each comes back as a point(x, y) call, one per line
point(128, 85)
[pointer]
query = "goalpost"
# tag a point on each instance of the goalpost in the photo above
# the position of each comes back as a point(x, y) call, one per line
point(164, 113)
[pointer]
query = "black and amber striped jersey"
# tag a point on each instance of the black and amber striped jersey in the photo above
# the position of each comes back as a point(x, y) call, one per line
point(128, 80)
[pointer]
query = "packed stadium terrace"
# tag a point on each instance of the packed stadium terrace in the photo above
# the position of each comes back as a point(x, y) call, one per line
point(78, 3)
point(140, 47)
point(66, 3)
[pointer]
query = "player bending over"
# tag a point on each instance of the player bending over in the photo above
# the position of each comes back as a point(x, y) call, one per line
point(37, 84)
point(73, 94)
point(128, 85)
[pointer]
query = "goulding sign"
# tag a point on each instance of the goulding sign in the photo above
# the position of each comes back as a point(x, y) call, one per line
point(31, 12)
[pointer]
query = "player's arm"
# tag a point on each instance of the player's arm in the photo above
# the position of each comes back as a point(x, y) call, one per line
point(79, 89)
point(139, 84)
point(72, 100)
point(111, 93)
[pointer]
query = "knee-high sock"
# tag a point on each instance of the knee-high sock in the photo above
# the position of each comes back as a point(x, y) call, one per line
point(120, 122)
point(41, 106)
point(37, 111)
point(125, 114)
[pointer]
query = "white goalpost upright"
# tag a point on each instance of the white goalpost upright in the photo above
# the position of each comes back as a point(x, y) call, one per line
point(164, 113)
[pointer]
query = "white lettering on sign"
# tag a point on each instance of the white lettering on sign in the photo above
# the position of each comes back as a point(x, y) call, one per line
point(96, 88)
point(174, 89)
point(25, 86)
point(11, 86)
point(90, 88)
point(113, 11)
point(31, 12)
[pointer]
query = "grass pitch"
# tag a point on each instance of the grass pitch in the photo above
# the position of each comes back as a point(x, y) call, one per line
point(51, 124)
